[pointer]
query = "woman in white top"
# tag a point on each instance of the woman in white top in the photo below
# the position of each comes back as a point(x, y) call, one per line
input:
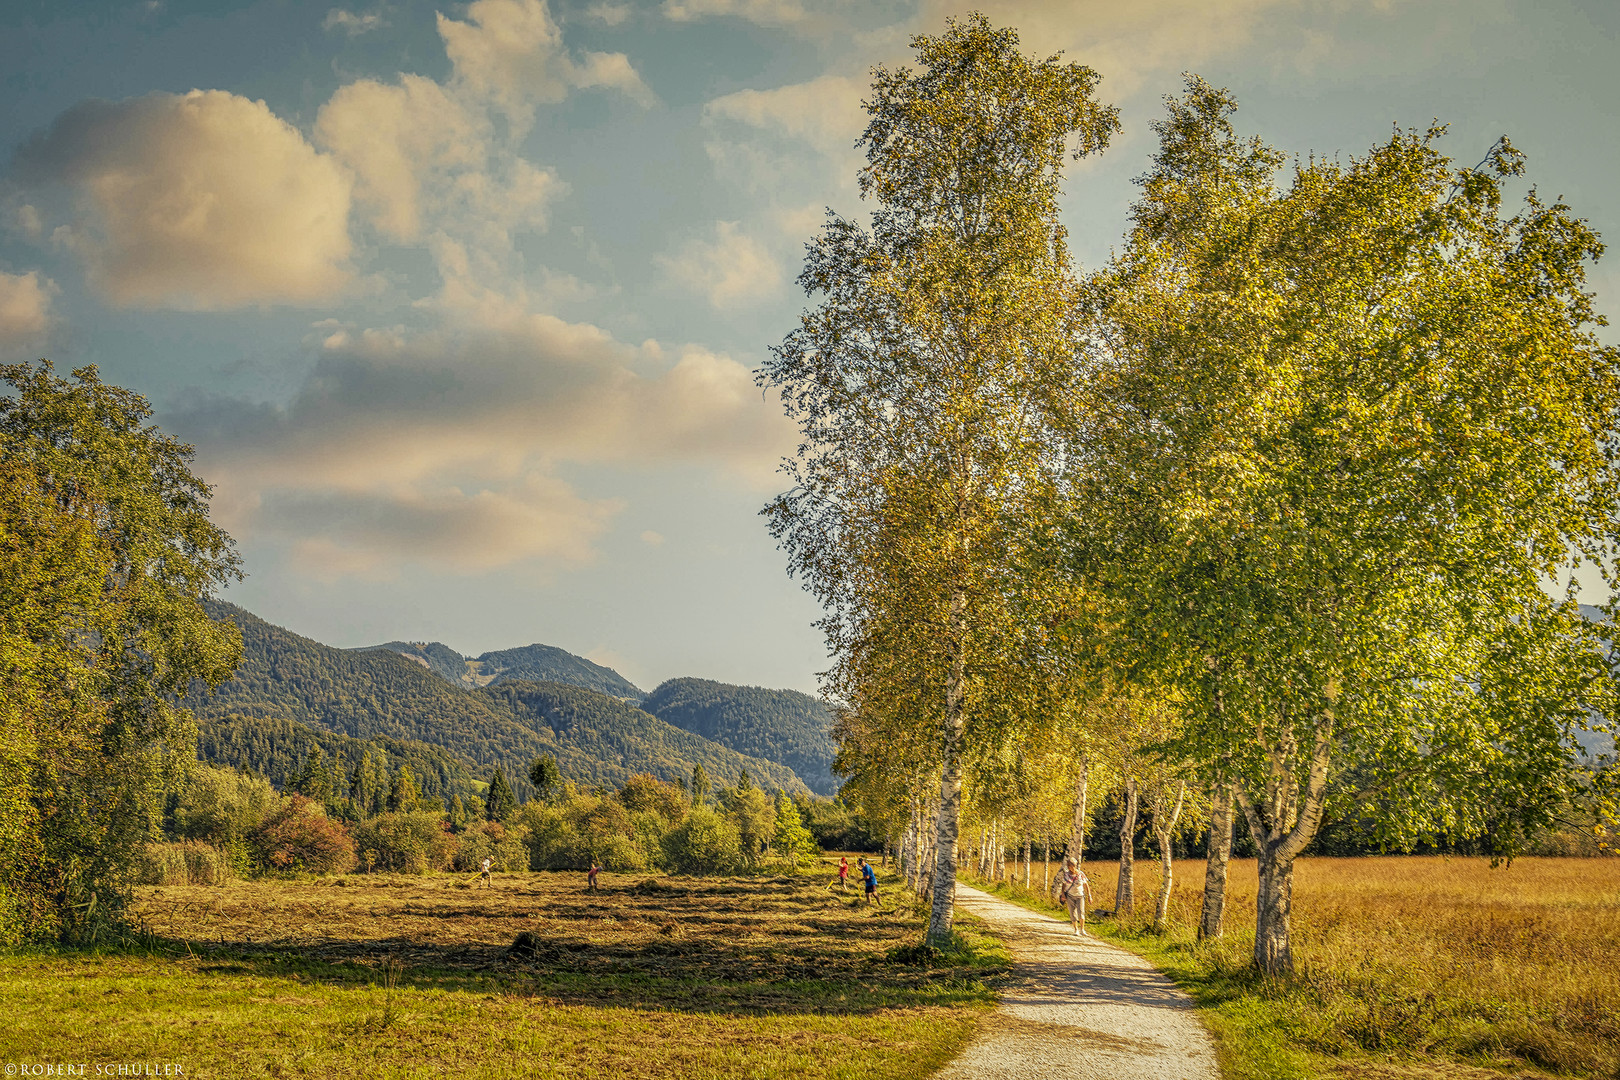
point(1074, 890)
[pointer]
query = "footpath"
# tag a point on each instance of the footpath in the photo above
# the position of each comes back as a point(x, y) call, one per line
point(1079, 1009)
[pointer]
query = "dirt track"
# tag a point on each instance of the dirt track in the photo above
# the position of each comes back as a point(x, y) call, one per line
point(1079, 1009)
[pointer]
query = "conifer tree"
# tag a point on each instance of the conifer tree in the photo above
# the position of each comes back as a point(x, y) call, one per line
point(499, 802)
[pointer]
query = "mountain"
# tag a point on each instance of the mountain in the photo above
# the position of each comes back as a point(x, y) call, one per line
point(438, 658)
point(383, 694)
point(531, 663)
point(781, 725)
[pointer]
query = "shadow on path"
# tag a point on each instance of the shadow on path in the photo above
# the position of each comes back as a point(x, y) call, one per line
point(1079, 1008)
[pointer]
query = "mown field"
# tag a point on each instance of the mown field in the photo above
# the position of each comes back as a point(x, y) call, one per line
point(378, 975)
point(1407, 967)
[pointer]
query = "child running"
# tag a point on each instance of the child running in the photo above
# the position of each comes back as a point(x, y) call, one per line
point(484, 877)
point(871, 883)
point(843, 874)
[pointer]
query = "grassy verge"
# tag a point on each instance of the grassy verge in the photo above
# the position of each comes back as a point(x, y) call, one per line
point(1406, 967)
point(404, 977)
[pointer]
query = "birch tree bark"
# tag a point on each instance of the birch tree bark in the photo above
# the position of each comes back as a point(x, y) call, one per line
point(1125, 891)
point(1213, 912)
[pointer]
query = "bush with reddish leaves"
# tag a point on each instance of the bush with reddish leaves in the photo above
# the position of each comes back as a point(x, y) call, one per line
point(298, 836)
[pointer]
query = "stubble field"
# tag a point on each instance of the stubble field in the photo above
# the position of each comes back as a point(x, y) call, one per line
point(376, 975)
point(1407, 966)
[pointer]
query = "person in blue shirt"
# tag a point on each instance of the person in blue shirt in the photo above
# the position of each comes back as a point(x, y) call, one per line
point(870, 876)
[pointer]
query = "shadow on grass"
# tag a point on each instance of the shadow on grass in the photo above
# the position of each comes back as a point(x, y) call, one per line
point(783, 945)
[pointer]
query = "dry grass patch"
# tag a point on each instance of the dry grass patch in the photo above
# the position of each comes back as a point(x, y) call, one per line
point(1408, 966)
point(379, 976)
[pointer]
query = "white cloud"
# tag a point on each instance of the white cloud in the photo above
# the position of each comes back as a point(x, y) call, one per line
point(442, 447)
point(25, 309)
point(652, 538)
point(196, 201)
point(352, 24)
point(732, 269)
point(512, 52)
point(824, 112)
point(424, 158)
point(764, 12)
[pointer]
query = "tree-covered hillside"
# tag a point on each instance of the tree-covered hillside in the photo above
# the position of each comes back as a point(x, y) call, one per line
point(278, 750)
point(530, 663)
point(437, 657)
point(781, 725)
point(602, 740)
point(371, 694)
point(547, 663)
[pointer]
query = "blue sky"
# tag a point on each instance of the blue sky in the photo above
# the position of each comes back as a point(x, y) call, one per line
point(459, 302)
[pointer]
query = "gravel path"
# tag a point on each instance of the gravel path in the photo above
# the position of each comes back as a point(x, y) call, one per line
point(1079, 1009)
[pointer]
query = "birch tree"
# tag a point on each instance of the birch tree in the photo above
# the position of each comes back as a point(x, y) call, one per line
point(917, 381)
point(1342, 431)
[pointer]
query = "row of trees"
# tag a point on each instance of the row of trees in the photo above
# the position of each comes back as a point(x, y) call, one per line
point(1258, 519)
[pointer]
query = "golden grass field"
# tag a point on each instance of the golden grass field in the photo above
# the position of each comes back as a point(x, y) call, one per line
point(1407, 966)
point(384, 976)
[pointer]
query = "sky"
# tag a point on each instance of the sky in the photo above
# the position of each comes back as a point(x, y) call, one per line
point(459, 304)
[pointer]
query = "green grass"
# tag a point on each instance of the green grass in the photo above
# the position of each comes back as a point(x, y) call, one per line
point(404, 977)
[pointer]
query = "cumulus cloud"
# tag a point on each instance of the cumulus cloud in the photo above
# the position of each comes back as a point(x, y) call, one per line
point(443, 446)
point(25, 310)
point(197, 201)
point(730, 270)
point(512, 52)
point(422, 155)
point(824, 112)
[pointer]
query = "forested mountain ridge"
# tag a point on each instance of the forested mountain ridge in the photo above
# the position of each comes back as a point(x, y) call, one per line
point(781, 725)
point(379, 693)
point(600, 737)
point(278, 749)
point(530, 663)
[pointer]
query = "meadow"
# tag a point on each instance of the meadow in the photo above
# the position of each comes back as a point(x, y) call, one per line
point(1407, 967)
point(403, 976)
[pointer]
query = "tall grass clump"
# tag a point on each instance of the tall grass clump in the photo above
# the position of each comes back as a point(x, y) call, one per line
point(189, 862)
point(1413, 956)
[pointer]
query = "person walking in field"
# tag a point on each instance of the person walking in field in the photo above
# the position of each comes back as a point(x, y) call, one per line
point(843, 874)
point(590, 876)
point(484, 877)
point(870, 877)
point(1074, 891)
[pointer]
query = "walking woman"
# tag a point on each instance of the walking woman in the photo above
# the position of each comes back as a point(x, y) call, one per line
point(1074, 890)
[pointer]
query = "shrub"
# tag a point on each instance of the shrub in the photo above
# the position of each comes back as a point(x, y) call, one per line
point(508, 847)
point(298, 836)
point(645, 793)
point(705, 843)
point(222, 805)
point(404, 843)
point(187, 863)
point(582, 828)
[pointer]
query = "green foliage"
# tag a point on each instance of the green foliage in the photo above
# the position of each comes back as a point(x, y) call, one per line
point(508, 848)
point(750, 811)
point(222, 807)
point(361, 770)
point(546, 778)
point(646, 793)
point(784, 726)
point(705, 842)
point(499, 802)
point(918, 385)
point(105, 551)
point(403, 794)
point(404, 843)
point(791, 840)
point(530, 663)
